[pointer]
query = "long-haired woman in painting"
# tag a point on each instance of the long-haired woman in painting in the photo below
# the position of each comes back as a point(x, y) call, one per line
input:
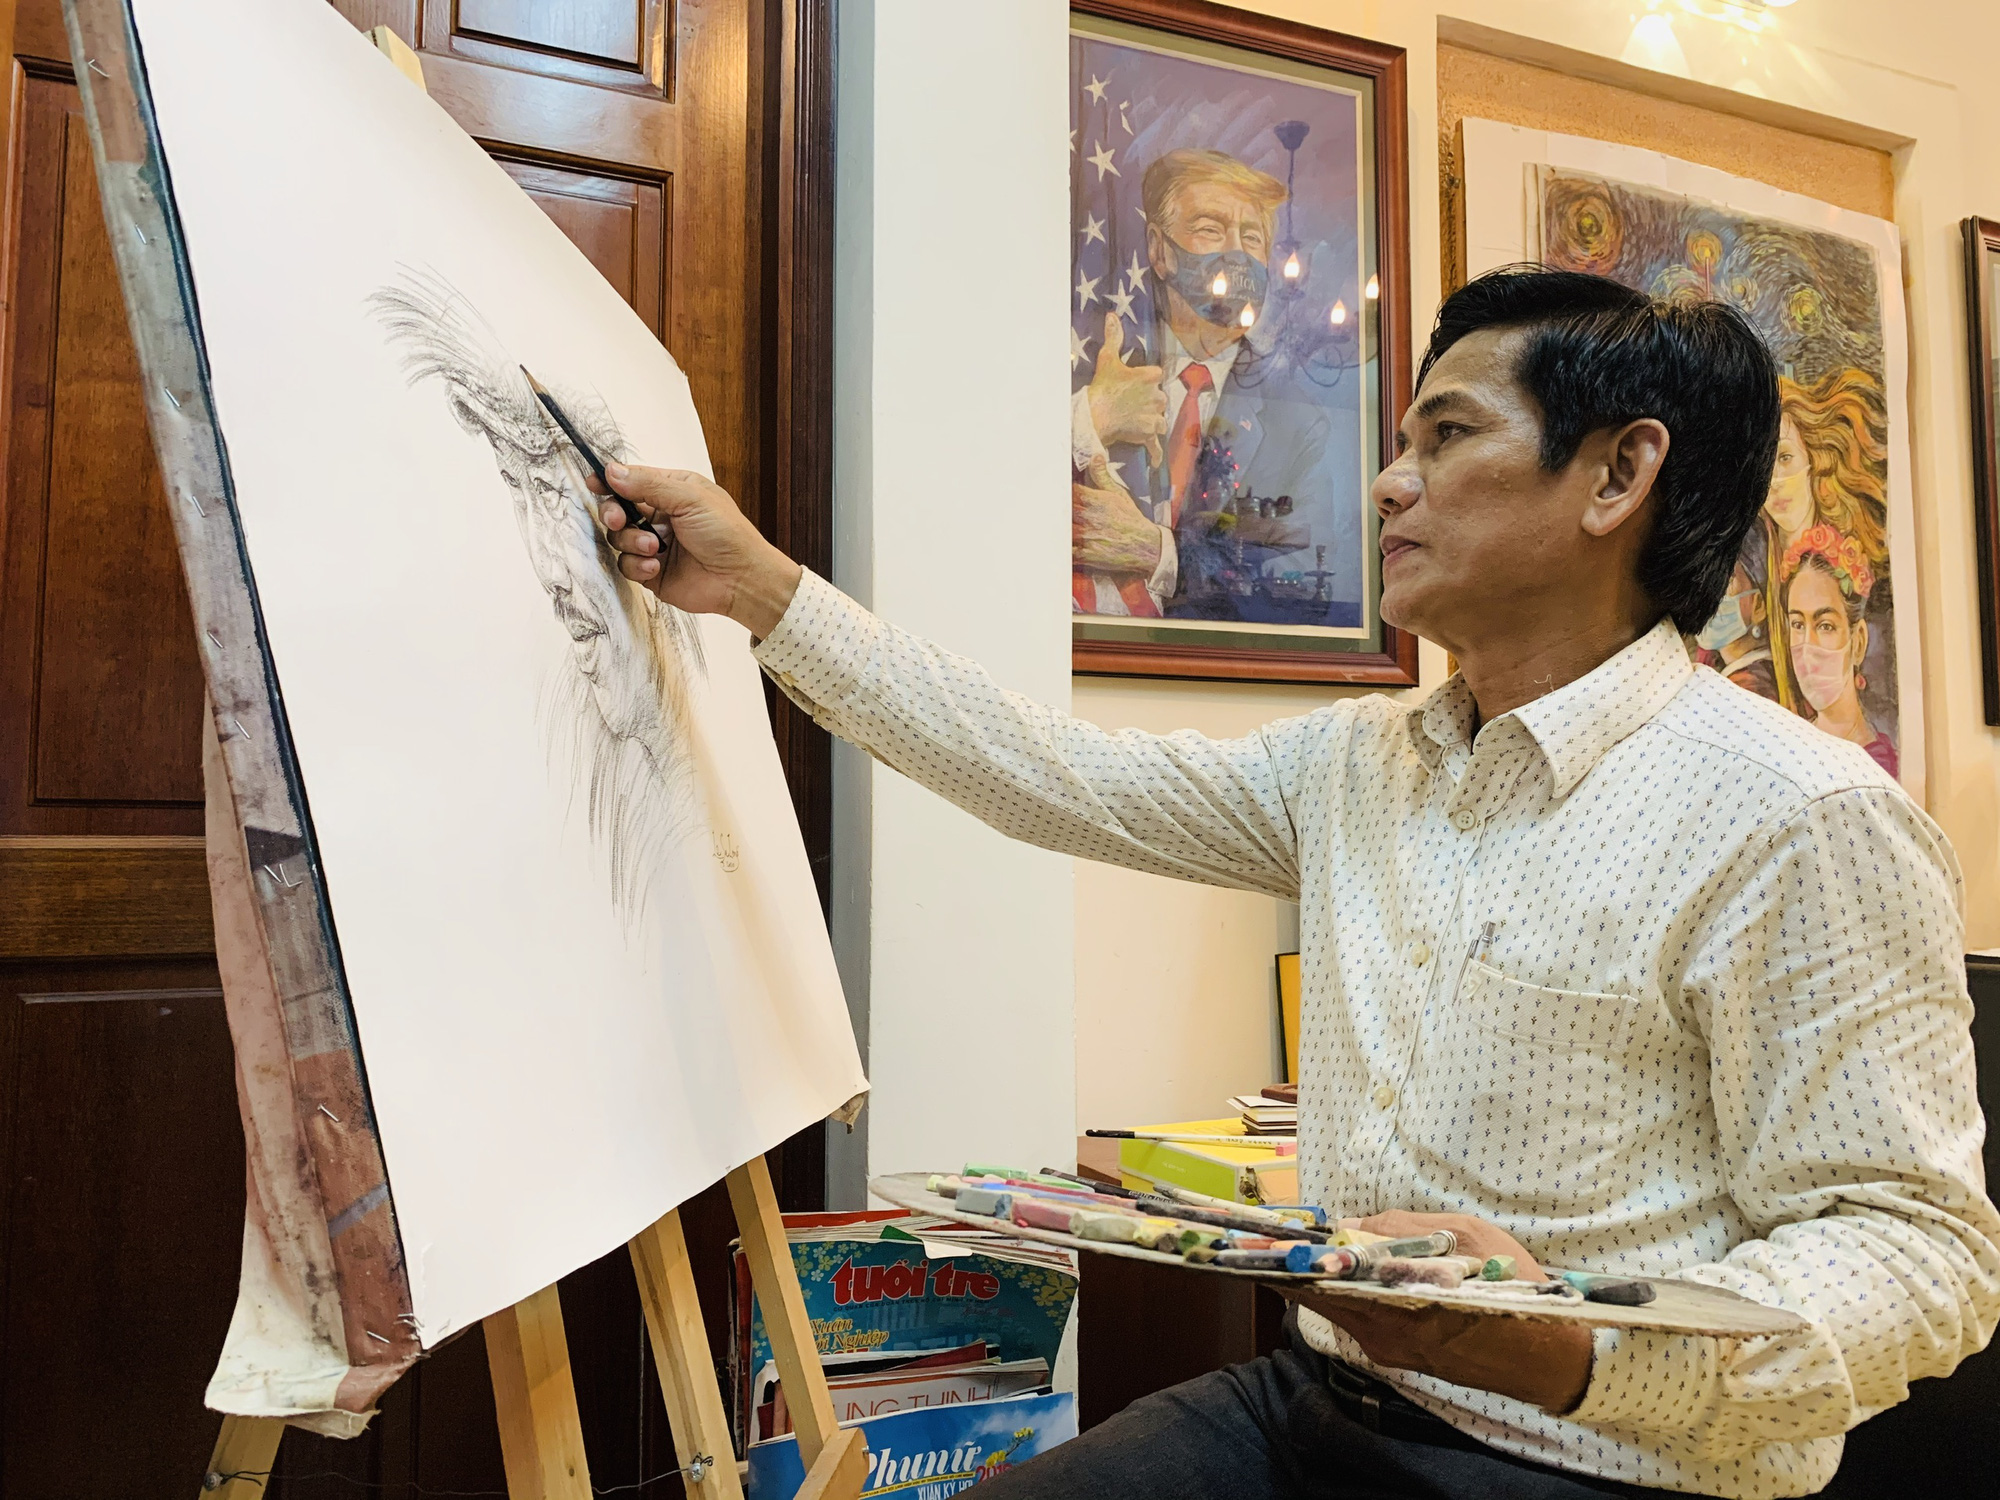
point(1832, 470)
point(1826, 581)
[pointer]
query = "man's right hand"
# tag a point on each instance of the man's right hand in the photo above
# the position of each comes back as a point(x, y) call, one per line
point(720, 564)
point(1128, 404)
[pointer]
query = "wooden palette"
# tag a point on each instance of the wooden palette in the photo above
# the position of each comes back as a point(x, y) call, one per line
point(1686, 1307)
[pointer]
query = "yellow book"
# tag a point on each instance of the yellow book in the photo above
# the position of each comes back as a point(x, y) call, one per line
point(1253, 1172)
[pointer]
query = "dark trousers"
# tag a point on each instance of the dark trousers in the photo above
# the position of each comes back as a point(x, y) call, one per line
point(1289, 1426)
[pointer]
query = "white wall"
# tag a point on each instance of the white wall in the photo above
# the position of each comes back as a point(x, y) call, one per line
point(952, 228)
point(1195, 965)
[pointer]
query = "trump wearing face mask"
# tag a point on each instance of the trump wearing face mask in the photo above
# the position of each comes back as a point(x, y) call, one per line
point(1162, 446)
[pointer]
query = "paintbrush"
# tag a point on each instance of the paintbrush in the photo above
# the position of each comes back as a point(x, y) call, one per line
point(662, 532)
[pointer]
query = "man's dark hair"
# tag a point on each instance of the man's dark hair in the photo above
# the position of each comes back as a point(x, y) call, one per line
point(1601, 355)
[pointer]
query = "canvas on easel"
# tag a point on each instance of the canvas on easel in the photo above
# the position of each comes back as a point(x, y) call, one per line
point(520, 944)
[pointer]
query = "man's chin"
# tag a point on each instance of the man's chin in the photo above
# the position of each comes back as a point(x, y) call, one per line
point(1401, 606)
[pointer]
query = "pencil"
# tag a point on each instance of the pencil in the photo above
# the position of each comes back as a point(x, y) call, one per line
point(662, 533)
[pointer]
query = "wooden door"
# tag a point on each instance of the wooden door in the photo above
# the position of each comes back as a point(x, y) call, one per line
point(684, 147)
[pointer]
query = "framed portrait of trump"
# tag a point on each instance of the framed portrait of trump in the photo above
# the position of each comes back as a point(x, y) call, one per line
point(1239, 343)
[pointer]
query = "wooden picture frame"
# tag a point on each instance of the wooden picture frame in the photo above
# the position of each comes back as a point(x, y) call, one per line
point(1204, 642)
point(1982, 324)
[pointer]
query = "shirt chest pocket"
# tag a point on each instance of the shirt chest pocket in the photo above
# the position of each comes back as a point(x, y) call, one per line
point(1534, 1100)
point(1568, 1020)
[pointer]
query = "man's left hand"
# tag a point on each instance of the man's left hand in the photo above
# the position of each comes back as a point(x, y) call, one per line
point(1547, 1364)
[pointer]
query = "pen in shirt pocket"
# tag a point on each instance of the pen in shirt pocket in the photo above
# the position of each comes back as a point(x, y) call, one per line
point(1480, 946)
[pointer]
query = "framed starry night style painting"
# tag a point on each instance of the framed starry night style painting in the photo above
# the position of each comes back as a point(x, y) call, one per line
point(1239, 343)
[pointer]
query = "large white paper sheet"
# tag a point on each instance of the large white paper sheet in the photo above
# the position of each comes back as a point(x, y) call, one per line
point(587, 962)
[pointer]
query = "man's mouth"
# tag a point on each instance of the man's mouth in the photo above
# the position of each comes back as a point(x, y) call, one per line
point(1394, 547)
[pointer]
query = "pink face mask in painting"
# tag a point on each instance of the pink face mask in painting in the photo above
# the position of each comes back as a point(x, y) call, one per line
point(1824, 673)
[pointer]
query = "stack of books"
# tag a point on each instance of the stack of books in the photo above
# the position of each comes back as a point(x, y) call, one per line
point(937, 1338)
point(1275, 1111)
point(1241, 1167)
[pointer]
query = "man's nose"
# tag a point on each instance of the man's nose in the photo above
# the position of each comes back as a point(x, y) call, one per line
point(1396, 488)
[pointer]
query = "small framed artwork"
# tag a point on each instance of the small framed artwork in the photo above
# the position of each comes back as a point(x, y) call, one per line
point(1239, 343)
point(1288, 1012)
point(1982, 321)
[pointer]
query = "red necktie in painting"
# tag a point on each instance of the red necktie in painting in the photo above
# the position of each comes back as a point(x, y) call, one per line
point(1184, 442)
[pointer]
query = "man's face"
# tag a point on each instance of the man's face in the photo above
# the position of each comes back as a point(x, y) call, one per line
point(563, 546)
point(1475, 533)
point(1206, 218)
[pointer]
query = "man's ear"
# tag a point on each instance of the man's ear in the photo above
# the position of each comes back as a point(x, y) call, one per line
point(1630, 464)
point(1156, 251)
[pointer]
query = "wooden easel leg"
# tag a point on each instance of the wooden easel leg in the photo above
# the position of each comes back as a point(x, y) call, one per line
point(687, 1372)
point(835, 1458)
point(541, 1437)
point(247, 1446)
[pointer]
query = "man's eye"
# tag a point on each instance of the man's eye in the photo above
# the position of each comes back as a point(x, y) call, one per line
point(1448, 430)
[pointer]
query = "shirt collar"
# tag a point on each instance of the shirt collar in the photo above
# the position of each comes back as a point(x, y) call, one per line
point(1575, 725)
point(1174, 355)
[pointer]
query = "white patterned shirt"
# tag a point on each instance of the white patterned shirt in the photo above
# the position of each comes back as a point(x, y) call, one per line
point(1719, 1028)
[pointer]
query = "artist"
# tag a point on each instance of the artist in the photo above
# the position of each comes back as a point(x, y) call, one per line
point(1608, 964)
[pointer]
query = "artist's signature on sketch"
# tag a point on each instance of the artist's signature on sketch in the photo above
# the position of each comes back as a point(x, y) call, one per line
point(726, 853)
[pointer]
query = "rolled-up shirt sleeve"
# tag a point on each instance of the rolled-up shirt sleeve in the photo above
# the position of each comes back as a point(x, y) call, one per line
point(1829, 980)
point(1181, 805)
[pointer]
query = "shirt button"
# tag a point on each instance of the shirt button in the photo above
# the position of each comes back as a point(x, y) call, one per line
point(1384, 1096)
point(1465, 819)
point(1421, 954)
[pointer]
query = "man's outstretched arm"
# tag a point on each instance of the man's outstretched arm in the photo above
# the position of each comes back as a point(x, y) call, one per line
point(1179, 805)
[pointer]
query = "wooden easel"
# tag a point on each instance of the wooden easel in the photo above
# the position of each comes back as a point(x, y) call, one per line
point(541, 1438)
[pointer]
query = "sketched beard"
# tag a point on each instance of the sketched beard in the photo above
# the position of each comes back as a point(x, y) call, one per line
point(637, 784)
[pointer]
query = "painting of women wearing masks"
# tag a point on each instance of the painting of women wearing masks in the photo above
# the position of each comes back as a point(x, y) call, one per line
point(1810, 617)
point(1224, 404)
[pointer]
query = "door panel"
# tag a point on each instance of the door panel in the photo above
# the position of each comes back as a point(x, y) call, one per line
point(609, 44)
point(122, 1223)
point(121, 687)
point(608, 31)
point(100, 686)
point(619, 223)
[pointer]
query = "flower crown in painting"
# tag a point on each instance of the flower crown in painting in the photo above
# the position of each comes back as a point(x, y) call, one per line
point(1841, 553)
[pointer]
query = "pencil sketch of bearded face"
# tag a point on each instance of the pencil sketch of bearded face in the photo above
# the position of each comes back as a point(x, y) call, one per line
point(618, 713)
